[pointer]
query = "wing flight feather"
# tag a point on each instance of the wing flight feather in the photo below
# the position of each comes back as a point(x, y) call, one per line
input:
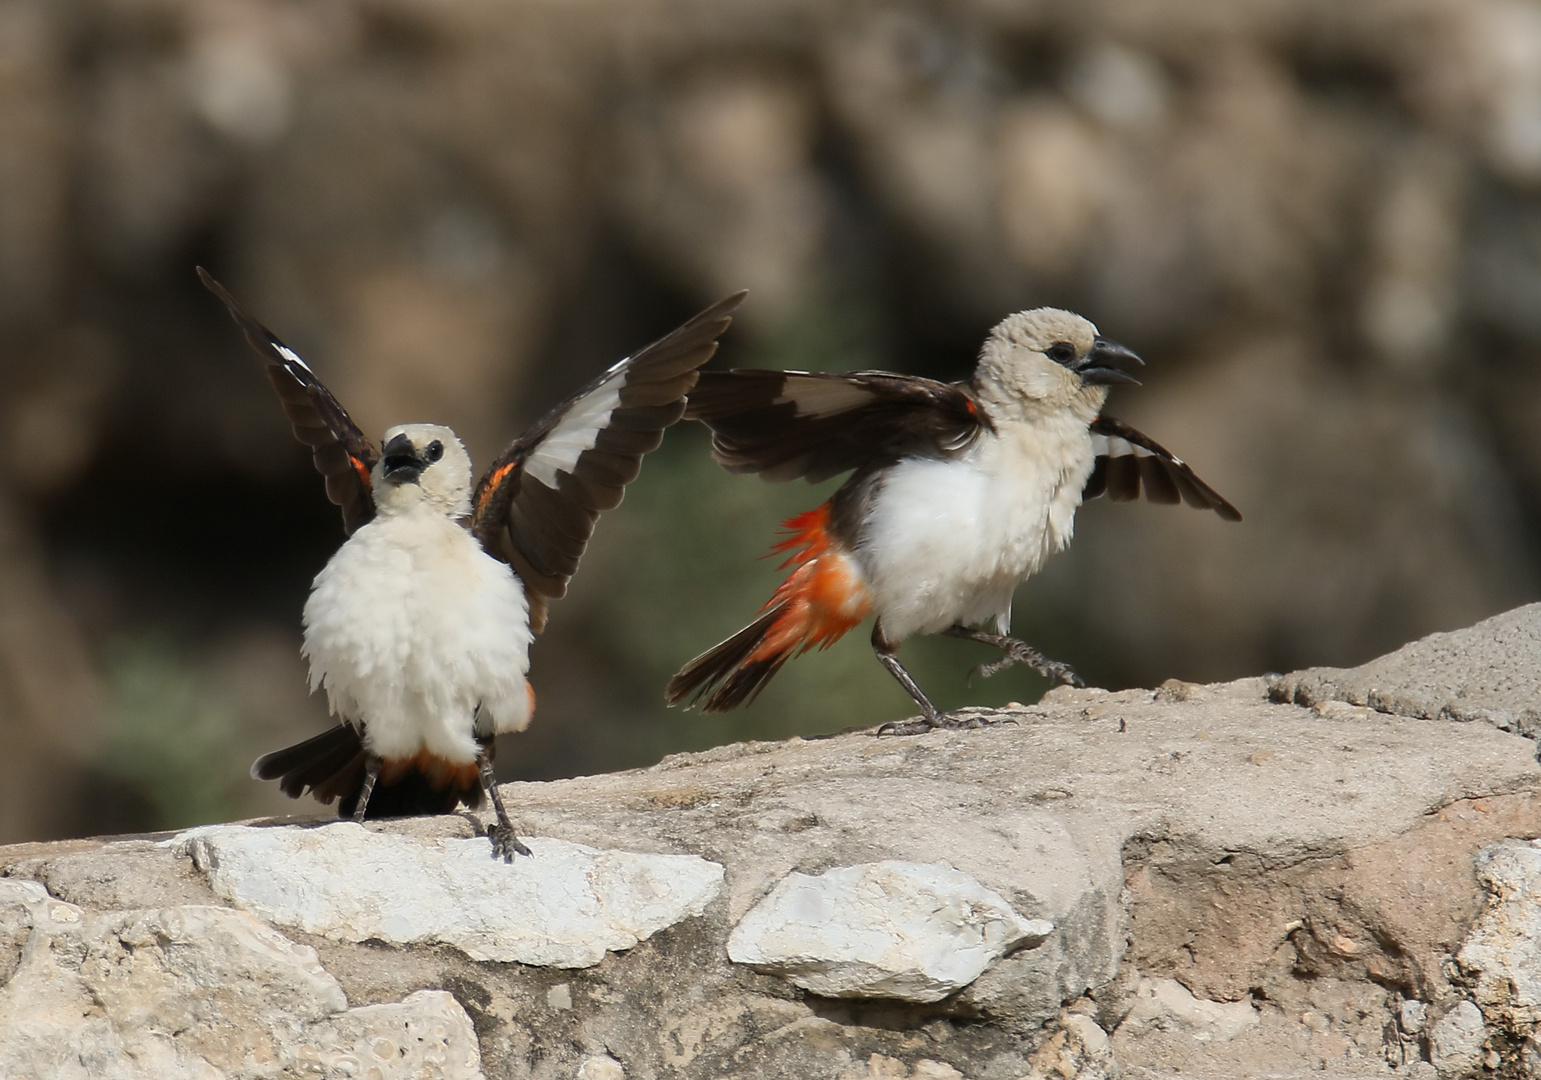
point(536, 506)
point(1129, 462)
point(789, 424)
point(342, 454)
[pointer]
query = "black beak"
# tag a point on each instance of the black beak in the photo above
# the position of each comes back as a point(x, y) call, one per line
point(1098, 369)
point(403, 464)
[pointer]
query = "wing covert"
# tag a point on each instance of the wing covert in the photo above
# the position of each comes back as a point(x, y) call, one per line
point(1129, 461)
point(789, 424)
point(536, 506)
point(342, 454)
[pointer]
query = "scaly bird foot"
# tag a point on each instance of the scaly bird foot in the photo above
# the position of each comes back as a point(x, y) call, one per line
point(971, 720)
point(505, 845)
point(1018, 652)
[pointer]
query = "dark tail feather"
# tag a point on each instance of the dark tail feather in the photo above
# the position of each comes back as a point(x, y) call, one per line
point(331, 767)
point(312, 763)
point(724, 677)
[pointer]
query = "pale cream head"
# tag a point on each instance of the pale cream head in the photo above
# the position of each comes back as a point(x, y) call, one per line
point(422, 466)
point(1028, 363)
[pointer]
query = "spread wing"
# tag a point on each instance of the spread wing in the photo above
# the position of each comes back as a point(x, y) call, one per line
point(343, 455)
point(535, 508)
point(1128, 461)
point(786, 424)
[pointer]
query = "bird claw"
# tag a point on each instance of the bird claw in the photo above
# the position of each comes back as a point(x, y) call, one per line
point(968, 721)
point(917, 726)
point(1018, 652)
point(505, 845)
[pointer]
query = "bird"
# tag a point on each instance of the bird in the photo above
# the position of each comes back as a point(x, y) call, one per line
point(419, 627)
point(958, 492)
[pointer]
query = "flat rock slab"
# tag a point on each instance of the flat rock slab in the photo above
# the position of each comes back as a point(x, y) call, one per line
point(564, 906)
point(1489, 672)
point(910, 931)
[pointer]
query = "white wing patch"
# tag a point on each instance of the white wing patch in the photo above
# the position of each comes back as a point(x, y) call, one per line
point(578, 429)
point(822, 397)
point(1116, 446)
point(291, 356)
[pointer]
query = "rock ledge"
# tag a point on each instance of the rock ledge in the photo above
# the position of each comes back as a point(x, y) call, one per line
point(1325, 873)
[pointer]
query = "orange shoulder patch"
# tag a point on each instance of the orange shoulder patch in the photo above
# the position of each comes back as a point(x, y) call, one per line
point(494, 482)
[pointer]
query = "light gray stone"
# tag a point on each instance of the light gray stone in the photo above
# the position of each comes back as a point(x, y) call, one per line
point(1167, 1005)
point(1455, 1042)
point(565, 906)
point(601, 1067)
point(1411, 1016)
point(1502, 955)
point(201, 992)
point(1489, 672)
point(427, 1034)
point(911, 931)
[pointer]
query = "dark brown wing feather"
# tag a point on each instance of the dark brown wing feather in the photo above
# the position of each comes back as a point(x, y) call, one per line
point(535, 508)
point(788, 424)
point(1129, 461)
point(343, 455)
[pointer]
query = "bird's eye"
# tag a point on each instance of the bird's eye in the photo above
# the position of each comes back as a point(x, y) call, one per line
point(435, 450)
point(1061, 352)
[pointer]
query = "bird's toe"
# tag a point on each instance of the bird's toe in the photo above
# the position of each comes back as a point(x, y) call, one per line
point(505, 845)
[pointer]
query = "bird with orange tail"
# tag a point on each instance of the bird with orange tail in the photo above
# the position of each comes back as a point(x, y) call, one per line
point(420, 627)
point(958, 492)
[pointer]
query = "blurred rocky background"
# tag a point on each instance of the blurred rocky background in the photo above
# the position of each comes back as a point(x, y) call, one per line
point(1319, 222)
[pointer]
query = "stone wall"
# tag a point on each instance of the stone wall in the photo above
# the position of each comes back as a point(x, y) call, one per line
point(1329, 873)
point(1319, 221)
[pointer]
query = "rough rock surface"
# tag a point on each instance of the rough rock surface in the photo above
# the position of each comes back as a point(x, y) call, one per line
point(563, 908)
point(196, 991)
point(907, 931)
point(1501, 960)
point(1237, 886)
point(1486, 672)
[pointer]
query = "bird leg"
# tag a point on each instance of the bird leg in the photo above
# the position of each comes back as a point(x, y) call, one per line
point(1015, 652)
point(372, 763)
point(504, 843)
point(930, 716)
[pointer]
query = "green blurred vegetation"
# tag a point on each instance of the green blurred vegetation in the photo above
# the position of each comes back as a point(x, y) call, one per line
point(174, 735)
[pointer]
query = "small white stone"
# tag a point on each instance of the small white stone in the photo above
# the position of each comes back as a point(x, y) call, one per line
point(564, 906)
point(1093, 1039)
point(425, 1034)
point(601, 1067)
point(560, 996)
point(1167, 1005)
point(1455, 1042)
point(1412, 1015)
point(912, 931)
point(42, 909)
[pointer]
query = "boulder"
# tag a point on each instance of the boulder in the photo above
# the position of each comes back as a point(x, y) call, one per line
point(1286, 875)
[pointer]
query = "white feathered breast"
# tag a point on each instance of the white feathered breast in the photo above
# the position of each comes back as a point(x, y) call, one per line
point(948, 540)
point(410, 627)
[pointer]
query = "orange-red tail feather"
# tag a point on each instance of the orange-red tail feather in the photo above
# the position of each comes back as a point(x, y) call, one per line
point(814, 607)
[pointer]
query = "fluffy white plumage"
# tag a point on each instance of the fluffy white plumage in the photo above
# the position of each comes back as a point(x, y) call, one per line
point(412, 627)
point(947, 541)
